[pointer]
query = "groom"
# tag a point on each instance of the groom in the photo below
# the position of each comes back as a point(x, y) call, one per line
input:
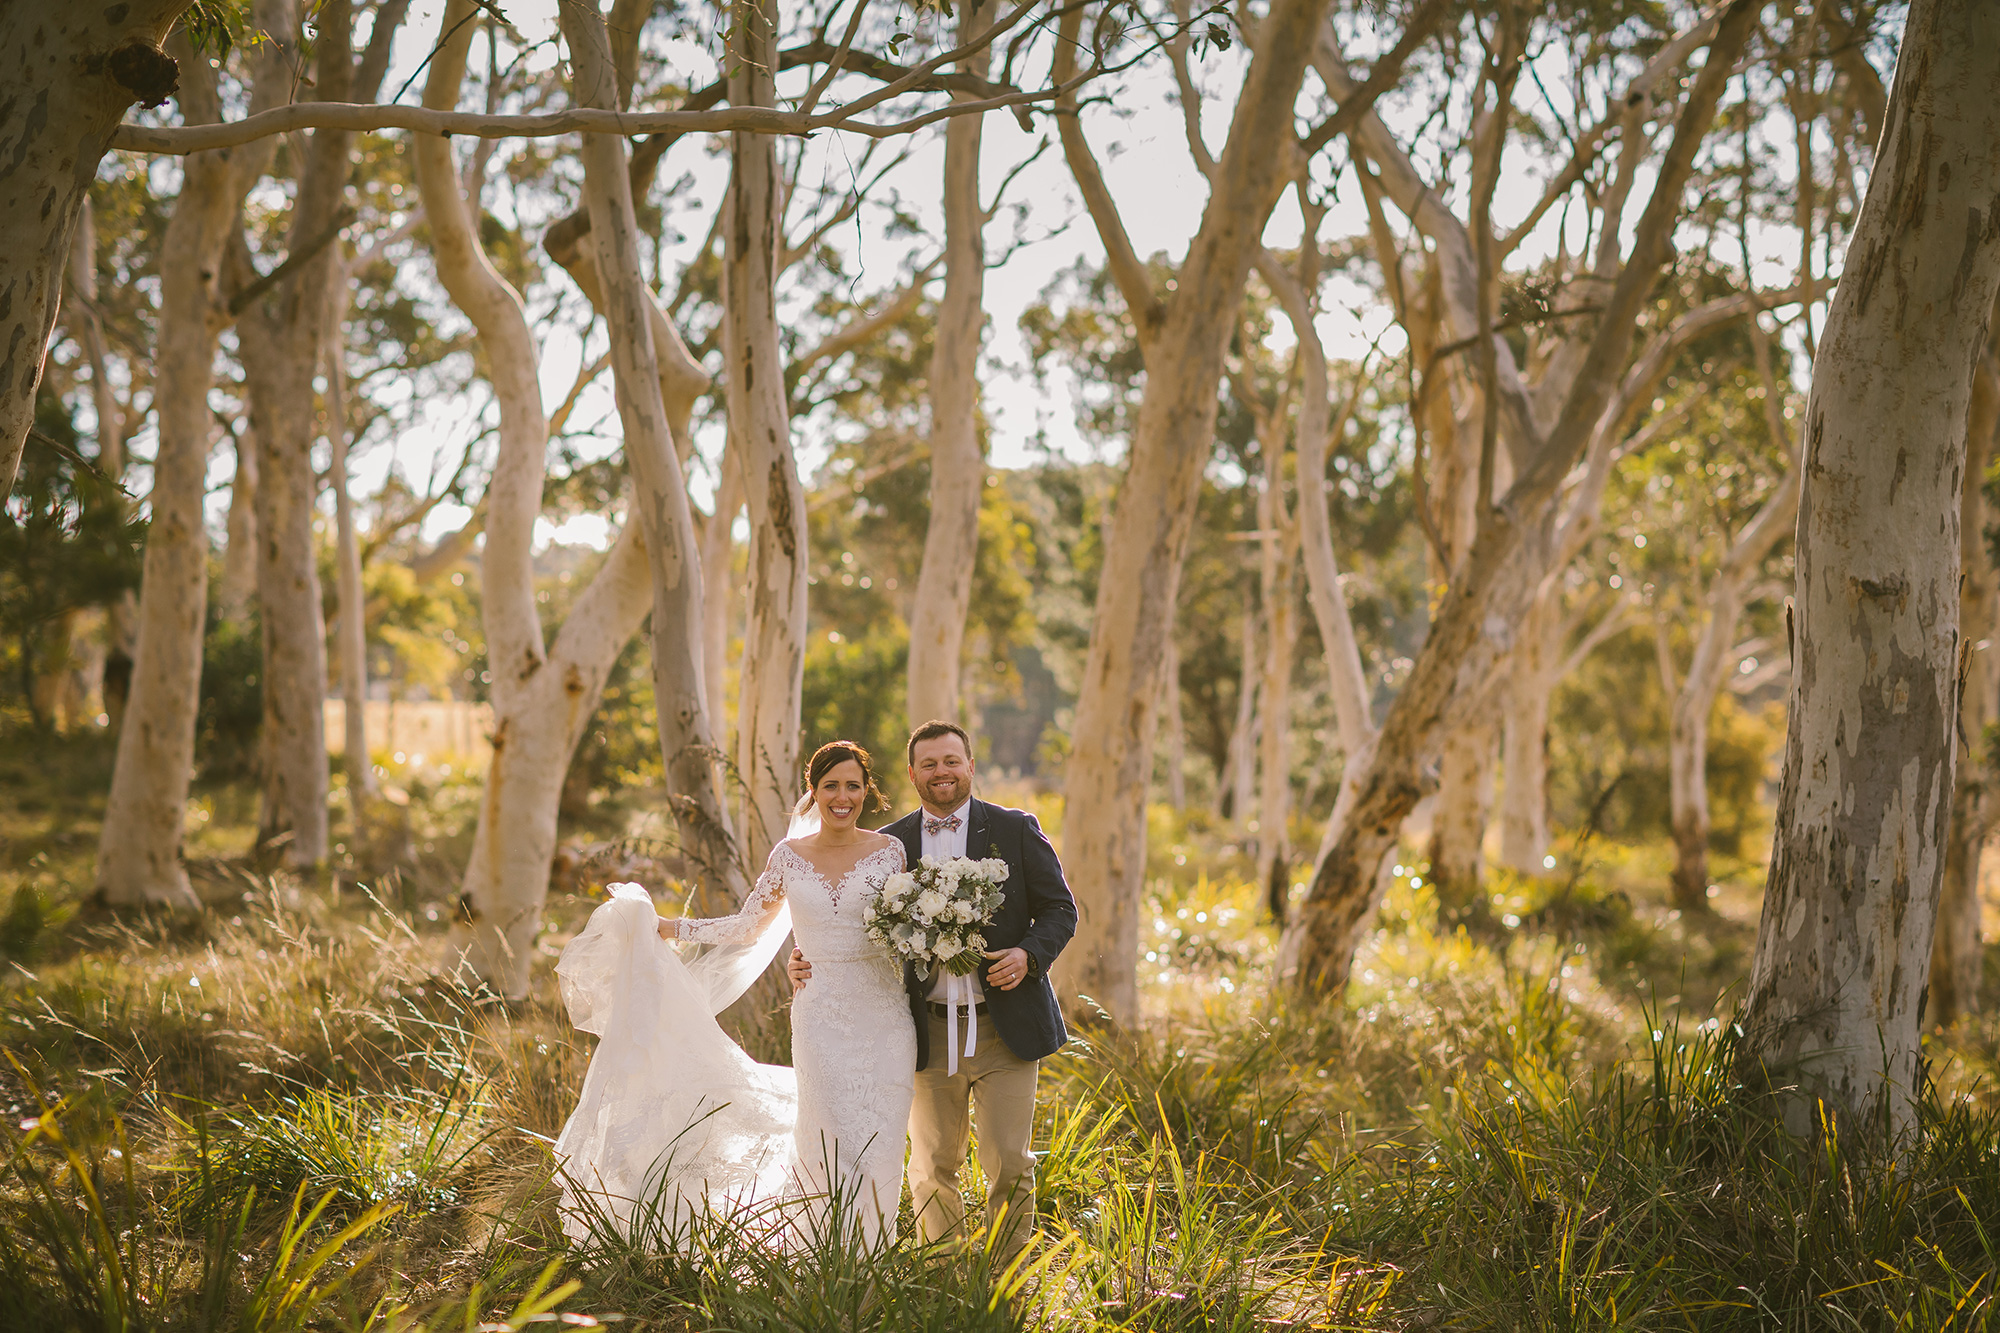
point(1017, 1018)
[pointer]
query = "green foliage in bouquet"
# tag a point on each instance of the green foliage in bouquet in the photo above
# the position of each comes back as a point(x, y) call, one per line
point(933, 915)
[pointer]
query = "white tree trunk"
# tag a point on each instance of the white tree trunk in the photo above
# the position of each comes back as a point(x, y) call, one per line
point(1956, 954)
point(1176, 725)
point(292, 681)
point(352, 634)
point(760, 434)
point(138, 858)
point(1464, 807)
point(1278, 583)
point(958, 465)
point(660, 494)
point(1104, 824)
point(1533, 672)
point(1240, 773)
point(542, 698)
point(1844, 945)
point(720, 603)
point(114, 423)
point(70, 72)
point(238, 583)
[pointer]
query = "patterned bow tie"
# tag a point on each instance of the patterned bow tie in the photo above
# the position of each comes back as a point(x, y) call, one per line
point(934, 825)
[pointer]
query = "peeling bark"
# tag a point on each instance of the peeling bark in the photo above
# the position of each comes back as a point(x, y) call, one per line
point(760, 435)
point(1844, 946)
point(543, 697)
point(139, 853)
point(1183, 343)
point(660, 494)
point(69, 73)
point(958, 464)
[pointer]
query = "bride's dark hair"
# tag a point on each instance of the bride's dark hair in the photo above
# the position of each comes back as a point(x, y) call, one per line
point(831, 756)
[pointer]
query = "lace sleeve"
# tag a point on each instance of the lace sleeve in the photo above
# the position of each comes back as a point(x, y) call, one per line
point(760, 907)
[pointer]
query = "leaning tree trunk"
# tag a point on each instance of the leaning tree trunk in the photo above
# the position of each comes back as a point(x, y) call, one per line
point(542, 697)
point(672, 543)
point(958, 466)
point(760, 433)
point(139, 852)
point(69, 73)
point(1472, 626)
point(1844, 946)
point(1111, 763)
point(1955, 955)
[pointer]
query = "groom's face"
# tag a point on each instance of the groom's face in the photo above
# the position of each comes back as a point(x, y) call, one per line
point(941, 771)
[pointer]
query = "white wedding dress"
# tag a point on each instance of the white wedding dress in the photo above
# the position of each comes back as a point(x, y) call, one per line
point(675, 1119)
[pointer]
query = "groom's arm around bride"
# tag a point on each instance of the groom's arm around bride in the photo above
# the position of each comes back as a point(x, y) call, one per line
point(1017, 1020)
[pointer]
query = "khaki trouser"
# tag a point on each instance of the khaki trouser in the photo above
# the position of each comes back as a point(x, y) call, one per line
point(1001, 1089)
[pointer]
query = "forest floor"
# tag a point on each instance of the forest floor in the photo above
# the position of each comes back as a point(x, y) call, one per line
point(271, 1116)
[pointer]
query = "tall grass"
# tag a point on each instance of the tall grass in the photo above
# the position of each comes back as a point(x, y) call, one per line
point(274, 1117)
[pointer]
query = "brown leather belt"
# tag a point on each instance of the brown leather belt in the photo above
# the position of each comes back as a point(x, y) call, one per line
point(943, 1010)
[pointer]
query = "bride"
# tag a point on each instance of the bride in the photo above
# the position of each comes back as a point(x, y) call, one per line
point(675, 1119)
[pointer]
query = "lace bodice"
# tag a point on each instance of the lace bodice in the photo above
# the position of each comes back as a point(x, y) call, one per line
point(826, 914)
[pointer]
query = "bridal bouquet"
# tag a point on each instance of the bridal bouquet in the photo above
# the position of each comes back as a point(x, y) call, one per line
point(932, 914)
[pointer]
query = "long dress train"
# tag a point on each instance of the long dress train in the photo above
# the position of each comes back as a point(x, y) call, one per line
point(676, 1119)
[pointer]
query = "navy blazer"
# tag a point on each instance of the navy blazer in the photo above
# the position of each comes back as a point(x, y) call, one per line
point(1036, 913)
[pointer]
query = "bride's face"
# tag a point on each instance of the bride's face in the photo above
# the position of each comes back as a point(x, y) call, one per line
point(840, 795)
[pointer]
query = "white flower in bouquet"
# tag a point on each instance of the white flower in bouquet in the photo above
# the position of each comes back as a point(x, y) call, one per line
point(932, 914)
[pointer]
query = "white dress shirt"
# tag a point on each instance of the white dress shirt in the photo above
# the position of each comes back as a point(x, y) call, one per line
point(945, 844)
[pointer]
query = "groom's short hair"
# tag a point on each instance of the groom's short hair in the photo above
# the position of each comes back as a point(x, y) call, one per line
point(930, 731)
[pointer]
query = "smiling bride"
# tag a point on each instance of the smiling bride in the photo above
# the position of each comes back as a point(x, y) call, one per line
point(675, 1118)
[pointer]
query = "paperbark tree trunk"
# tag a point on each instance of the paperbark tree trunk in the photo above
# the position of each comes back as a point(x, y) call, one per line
point(139, 852)
point(1183, 342)
point(718, 573)
point(1464, 807)
point(70, 72)
point(760, 433)
point(1532, 675)
point(353, 629)
point(1347, 680)
point(284, 335)
point(114, 423)
point(1844, 945)
point(1239, 775)
point(661, 501)
point(1471, 631)
point(958, 465)
point(542, 697)
point(1278, 583)
point(1170, 703)
point(1956, 953)
point(238, 584)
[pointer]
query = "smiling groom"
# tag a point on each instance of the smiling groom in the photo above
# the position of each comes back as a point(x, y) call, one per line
point(1016, 1019)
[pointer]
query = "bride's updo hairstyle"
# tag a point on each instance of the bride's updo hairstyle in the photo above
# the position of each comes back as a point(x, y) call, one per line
point(831, 756)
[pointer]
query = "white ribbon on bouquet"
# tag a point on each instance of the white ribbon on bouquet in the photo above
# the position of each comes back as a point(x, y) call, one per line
point(960, 990)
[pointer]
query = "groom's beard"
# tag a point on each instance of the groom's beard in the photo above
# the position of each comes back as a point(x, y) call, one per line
point(947, 794)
